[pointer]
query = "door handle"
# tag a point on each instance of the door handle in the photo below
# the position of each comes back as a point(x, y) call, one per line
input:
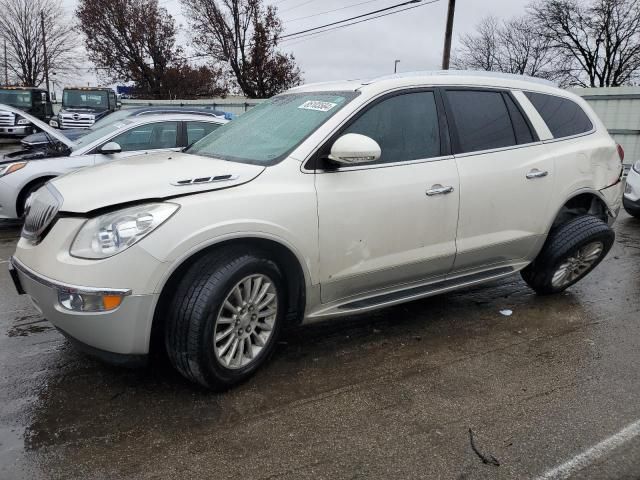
point(535, 173)
point(439, 190)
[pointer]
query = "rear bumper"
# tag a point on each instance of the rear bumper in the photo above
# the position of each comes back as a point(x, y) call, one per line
point(613, 199)
point(19, 131)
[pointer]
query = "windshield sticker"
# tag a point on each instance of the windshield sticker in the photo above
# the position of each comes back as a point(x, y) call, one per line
point(317, 105)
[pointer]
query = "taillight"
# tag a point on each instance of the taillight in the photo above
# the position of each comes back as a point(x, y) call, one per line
point(620, 152)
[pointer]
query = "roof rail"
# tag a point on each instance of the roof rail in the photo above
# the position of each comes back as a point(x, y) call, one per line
point(462, 73)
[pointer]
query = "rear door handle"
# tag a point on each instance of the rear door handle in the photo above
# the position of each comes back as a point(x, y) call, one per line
point(535, 173)
point(439, 190)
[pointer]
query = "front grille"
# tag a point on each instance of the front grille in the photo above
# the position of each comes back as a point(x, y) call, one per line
point(42, 207)
point(76, 121)
point(7, 119)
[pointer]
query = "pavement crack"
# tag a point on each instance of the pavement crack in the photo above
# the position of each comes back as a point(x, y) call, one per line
point(487, 459)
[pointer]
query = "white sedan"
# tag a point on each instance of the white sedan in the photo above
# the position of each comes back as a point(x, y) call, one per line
point(24, 172)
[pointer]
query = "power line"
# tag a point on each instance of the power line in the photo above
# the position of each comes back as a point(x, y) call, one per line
point(298, 6)
point(312, 34)
point(351, 18)
point(329, 11)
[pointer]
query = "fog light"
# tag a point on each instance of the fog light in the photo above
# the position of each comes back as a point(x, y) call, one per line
point(84, 302)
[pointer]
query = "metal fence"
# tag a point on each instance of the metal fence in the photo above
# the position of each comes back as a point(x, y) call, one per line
point(619, 110)
point(235, 105)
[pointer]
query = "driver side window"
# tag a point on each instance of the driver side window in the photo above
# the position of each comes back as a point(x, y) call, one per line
point(152, 136)
point(405, 126)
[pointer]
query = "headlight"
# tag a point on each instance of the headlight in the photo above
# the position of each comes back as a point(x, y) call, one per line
point(109, 234)
point(53, 123)
point(636, 166)
point(8, 168)
point(22, 121)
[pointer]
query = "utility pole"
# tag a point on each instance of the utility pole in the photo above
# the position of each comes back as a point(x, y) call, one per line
point(446, 54)
point(6, 65)
point(46, 61)
point(395, 66)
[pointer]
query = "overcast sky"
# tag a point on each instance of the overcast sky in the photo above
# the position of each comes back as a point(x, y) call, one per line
point(415, 37)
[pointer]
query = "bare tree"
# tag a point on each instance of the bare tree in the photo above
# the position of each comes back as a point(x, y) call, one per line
point(479, 50)
point(20, 26)
point(512, 46)
point(244, 35)
point(599, 41)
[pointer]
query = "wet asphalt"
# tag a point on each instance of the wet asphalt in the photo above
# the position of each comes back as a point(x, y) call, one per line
point(391, 394)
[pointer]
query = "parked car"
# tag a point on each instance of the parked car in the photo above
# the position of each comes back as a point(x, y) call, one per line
point(631, 200)
point(40, 139)
point(328, 200)
point(22, 173)
point(83, 106)
point(34, 101)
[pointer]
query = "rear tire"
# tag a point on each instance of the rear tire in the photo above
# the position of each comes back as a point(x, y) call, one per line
point(225, 318)
point(571, 251)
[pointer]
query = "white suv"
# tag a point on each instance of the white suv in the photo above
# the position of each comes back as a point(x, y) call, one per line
point(328, 200)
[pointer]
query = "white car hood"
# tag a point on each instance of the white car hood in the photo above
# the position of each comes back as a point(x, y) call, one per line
point(41, 125)
point(148, 177)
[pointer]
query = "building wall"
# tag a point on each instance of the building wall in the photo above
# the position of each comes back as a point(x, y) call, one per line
point(619, 110)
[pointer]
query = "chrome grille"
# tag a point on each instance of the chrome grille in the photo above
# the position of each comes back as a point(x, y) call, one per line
point(42, 207)
point(7, 119)
point(76, 120)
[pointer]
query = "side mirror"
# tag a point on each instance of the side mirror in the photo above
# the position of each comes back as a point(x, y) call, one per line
point(353, 148)
point(110, 147)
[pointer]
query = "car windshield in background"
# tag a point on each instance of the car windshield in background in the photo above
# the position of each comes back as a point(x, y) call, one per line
point(270, 131)
point(16, 98)
point(85, 99)
point(101, 132)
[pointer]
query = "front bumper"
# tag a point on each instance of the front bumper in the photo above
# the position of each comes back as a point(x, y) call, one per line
point(17, 131)
point(111, 335)
point(8, 198)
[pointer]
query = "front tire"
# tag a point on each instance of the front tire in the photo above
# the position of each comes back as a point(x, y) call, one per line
point(225, 317)
point(571, 251)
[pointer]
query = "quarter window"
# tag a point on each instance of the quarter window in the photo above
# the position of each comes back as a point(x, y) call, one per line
point(152, 136)
point(482, 120)
point(405, 126)
point(563, 116)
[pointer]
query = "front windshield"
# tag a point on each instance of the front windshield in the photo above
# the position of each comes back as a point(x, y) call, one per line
point(16, 98)
point(101, 132)
point(270, 131)
point(85, 99)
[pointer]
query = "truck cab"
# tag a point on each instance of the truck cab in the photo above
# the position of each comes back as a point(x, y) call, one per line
point(34, 101)
point(83, 106)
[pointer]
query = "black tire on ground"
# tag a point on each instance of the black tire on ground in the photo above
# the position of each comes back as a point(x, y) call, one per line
point(190, 325)
point(632, 209)
point(564, 242)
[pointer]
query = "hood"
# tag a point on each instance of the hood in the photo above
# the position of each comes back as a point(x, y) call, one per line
point(148, 177)
point(39, 139)
point(41, 125)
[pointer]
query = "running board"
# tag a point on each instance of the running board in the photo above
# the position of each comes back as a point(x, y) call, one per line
point(408, 294)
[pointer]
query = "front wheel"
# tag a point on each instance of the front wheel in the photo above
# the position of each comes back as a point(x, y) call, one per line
point(225, 317)
point(571, 251)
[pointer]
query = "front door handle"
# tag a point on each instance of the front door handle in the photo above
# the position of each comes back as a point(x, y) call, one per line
point(439, 190)
point(535, 173)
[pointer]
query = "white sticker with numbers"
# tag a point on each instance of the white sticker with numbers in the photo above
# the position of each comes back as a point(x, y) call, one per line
point(317, 105)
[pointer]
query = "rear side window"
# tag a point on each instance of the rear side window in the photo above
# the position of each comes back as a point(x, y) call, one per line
point(563, 116)
point(405, 126)
point(482, 120)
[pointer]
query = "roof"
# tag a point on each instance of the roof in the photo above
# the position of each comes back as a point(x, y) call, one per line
point(105, 89)
point(22, 88)
point(437, 77)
